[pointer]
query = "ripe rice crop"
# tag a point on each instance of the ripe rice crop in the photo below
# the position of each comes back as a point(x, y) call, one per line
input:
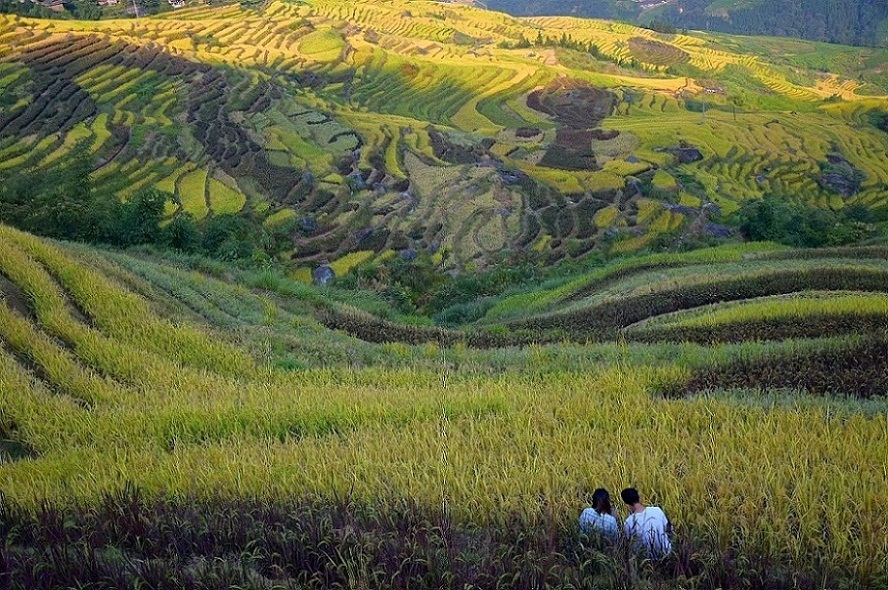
point(224, 199)
point(344, 264)
point(604, 319)
point(185, 417)
point(856, 370)
point(578, 288)
point(803, 315)
point(809, 325)
point(311, 543)
point(796, 306)
point(191, 189)
point(188, 424)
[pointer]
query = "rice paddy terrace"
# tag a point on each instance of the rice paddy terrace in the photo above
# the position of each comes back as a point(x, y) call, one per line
point(198, 426)
point(365, 128)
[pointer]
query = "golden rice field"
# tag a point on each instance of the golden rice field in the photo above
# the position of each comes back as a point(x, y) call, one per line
point(102, 386)
point(741, 387)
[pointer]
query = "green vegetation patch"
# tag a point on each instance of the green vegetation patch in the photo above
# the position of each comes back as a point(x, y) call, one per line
point(191, 190)
point(657, 53)
point(224, 199)
point(322, 45)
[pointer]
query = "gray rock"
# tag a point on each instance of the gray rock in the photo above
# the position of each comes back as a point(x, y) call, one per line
point(634, 185)
point(307, 224)
point(409, 254)
point(363, 234)
point(689, 154)
point(322, 275)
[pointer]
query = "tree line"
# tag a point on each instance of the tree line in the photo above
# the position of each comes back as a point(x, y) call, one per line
point(64, 203)
point(850, 22)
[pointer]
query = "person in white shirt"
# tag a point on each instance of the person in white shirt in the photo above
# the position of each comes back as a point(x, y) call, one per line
point(599, 518)
point(646, 526)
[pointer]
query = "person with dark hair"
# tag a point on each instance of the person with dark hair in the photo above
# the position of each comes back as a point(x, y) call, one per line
point(646, 526)
point(600, 517)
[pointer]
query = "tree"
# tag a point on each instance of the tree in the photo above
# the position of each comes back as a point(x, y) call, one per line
point(229, 237)
point(778, 219)
point(181, 234)
point(139, 218)
point(59, 202)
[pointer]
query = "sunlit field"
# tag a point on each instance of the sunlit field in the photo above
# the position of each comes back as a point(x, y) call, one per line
point(541, 279)
point(100, 392)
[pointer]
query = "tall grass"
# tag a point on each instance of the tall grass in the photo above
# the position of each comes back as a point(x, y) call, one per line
point(179, 413)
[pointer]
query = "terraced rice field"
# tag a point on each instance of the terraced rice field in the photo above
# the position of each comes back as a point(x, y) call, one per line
point(183, 389)
point(323, 108)
point(644, 299)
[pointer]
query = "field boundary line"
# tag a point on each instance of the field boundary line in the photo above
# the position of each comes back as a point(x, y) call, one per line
point(443, 345)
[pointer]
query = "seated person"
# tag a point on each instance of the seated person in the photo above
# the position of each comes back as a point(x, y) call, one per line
point(600, 517)
point(646, 526)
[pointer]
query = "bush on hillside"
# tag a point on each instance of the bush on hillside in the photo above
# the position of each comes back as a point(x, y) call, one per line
point(63, 203)
point(182, 234)
point(230, 237)
point(778, 219)
point(880, 120)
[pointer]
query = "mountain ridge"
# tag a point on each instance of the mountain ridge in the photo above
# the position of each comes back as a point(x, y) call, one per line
point(853, 22)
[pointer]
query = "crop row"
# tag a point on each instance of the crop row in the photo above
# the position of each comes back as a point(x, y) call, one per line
point(857, 370)
point(603, 320)
point(44, 406)
point(214, 302)
point(369, 328)
point(133, 78)
point(120, 314)
point(847, 252)
point(314, 543)
point(229, 144)
point(575, 289)
point(254, 319)
point(60, 105)
point(599, 280)
point(140, 414)
point(781, 328)
point(224, 450)
point(52, 362)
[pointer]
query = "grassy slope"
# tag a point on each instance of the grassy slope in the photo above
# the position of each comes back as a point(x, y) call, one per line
point(117, 369)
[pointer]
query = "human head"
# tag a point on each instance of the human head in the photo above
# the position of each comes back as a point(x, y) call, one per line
point(601, 501)
point(630, 496)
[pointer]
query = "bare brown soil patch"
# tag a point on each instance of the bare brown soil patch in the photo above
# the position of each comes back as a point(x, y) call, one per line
point(573, 103)
point(581, 139)
point(14, 297)
point(657, 53)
